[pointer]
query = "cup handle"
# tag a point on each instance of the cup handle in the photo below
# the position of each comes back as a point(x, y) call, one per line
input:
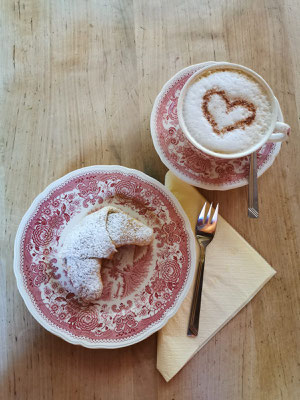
point(280, 133)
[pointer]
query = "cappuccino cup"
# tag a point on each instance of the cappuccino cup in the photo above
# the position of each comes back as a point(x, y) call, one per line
point(229, 111)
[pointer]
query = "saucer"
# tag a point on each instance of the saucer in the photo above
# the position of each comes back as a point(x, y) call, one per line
point(186, 161)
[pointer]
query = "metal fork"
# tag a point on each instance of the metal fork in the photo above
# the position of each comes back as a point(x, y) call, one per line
point(205, 232)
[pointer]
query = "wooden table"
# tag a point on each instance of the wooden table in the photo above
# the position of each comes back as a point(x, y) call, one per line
point(78, 83)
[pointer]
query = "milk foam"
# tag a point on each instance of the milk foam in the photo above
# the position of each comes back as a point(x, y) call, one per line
point(222, 128)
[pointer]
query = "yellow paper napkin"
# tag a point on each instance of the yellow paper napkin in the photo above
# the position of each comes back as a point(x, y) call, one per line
point(234, 273)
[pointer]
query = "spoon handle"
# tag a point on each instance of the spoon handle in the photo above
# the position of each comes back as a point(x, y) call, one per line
point(252, 189)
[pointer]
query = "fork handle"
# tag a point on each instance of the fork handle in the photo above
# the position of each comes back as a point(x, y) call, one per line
point(196, 303)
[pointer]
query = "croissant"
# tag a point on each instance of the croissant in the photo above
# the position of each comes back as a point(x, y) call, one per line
point(98, 236)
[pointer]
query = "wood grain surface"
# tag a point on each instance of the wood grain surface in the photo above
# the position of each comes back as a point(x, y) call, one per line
point(78, 81)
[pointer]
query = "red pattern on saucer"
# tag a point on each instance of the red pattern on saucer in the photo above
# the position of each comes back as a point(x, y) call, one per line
point(186, 161)
point(143, 286)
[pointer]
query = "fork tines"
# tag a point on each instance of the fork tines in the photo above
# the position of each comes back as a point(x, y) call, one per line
point(201, 222)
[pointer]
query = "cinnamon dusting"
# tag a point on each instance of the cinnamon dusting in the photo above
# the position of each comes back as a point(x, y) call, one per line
point(229, 106)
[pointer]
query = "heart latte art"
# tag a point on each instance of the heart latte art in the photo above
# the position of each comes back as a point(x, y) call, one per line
point(227, 111)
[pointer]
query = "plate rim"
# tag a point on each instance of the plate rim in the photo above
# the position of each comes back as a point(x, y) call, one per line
point(52, 328)
point(169, 165)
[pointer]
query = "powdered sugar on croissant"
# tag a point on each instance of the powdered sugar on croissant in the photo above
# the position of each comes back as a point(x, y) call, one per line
point(98, 236)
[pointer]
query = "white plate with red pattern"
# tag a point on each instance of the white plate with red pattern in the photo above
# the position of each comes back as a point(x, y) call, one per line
point(143, 286)
point(186, 161)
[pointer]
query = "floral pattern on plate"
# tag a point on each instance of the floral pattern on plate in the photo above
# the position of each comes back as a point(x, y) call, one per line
point(143, 286)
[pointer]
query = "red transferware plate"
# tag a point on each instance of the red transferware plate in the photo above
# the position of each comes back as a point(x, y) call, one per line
point(143, 286)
